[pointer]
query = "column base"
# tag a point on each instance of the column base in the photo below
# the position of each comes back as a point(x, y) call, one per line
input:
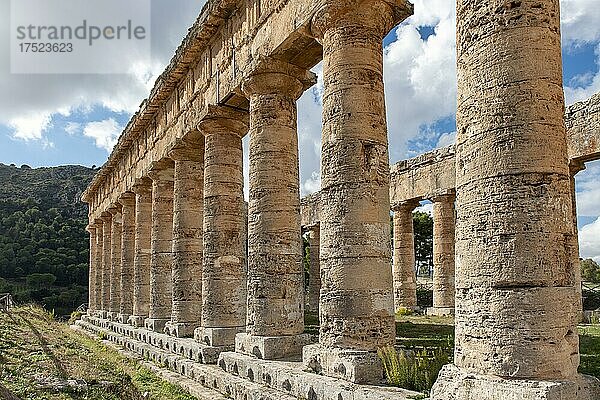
point(440, 311)
point(356, 366)
point(137, 320)
point(456, 384)
point(181, 329)
point(271, 347)
point(101, 314)
point(217, 336)
point(156, 324)
point(112, 316)
point(123, 318)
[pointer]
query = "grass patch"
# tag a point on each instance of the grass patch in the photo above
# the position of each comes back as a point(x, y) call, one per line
point(41, 358)
point(589, 345)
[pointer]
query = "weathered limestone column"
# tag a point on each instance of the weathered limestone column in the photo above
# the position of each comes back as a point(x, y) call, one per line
point(161, 259)
point(516, 296)
point(127, 200)
point(443, 255)
point(357, 305)
point(98, 223)
point(404, 271)
point(106, 262)
point(141, 261)
point(224, 265)
point(116, 232)
point(92, 270)
point(187, 237)
point(275, 318)
point(314, 272)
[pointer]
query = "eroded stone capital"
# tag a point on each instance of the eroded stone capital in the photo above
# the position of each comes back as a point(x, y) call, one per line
point(162, 170)
point(224, 120)
point(406, 206)
point(127, 199)
point(449, 197)
point(188, 150)
point(575, 167)
point(143, 186)
point(106, 217)
point(380, 15)
point(271, 76)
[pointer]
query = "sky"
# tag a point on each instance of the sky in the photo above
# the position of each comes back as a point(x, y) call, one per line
point(48, 120)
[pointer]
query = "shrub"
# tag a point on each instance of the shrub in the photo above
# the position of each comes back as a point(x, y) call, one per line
point(414, 372)
point(403, 311)
point(75, 315)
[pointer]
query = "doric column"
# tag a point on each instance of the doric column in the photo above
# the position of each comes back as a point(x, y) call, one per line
point(314, 271)
point(443, 255)
point(404, 272)
point(127, 200)
point(187, 237)
point(106, 262)
point(224, 265)
point(98, 223)
point(161, 259)
point(275, 319)
point(357, 305)
point(92, 269)
point(516, 296)
point(574, 168)
point(116, 232)
point(141, 261)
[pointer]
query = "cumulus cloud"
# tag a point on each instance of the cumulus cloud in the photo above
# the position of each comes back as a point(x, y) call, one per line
point(105, 133)
point(589, 240)
point(28, 102)
point(588, 190)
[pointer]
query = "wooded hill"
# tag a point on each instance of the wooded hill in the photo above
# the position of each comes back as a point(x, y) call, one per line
point(44, 251)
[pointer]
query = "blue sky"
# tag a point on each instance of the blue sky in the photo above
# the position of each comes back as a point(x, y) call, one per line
point(75, 119)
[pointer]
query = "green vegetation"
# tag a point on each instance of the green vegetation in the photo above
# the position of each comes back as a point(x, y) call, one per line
point(44, 249)
point(43, 359)
point(590, 271)
point(589, 345)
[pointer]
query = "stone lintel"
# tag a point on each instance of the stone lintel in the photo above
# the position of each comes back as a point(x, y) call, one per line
point(356, 366)
point(440, 311)
point(456, 384)
point(217, 336)
point(271, 347)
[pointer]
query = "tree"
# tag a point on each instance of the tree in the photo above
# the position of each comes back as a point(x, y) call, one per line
point(423, 227)
point(40, 281)
point(590, 271)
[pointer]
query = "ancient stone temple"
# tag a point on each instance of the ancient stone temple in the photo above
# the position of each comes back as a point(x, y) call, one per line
point(185, 273)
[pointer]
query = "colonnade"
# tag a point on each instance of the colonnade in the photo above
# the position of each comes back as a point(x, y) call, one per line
point(186, 229)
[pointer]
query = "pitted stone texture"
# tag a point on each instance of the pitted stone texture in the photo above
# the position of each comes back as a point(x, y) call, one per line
point(291, 378)
point(271, 347)
point(314, 272)
point(356, 306)
point(161, 259)
point(583, 129)
point(106, 260)
point(404, 272)
point(516, 300)
point(224, 264)
point(353, 365)
point(92, 270)
point(143, 232)
point(275, 271)
point(116, 232)
point(443, 255)
point(455, 384)
point(187, 238)
point(127, 256)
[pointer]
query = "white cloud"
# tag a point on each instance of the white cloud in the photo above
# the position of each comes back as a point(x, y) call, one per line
point(105, 133)
point(589, 240)
point(580, 21)
point(73, 128)
point(426, 207)
point(30, 126)
point(446, 139)
point(588, 190)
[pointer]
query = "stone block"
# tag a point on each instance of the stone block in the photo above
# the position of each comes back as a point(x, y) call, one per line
point(440, 311)
point(352, 365)
point(271, 347)
point(217, 336)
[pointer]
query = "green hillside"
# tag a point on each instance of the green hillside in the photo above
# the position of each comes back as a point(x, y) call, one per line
point(44, 251)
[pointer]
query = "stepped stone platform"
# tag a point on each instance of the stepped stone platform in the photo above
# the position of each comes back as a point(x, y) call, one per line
point(232, 375)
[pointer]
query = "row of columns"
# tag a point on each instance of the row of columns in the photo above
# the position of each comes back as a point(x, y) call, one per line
point(404, 271)
point(509, 170)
